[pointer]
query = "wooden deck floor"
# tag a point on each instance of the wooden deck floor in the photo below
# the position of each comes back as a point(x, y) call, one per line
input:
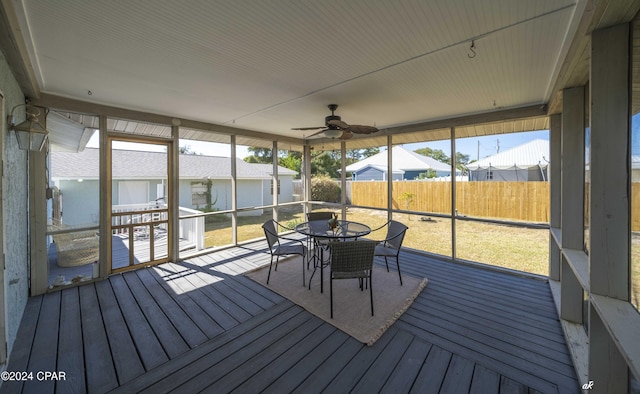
point(201, 326)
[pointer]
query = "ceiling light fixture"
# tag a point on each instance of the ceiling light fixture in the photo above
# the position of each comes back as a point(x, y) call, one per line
point(333, 133)
point(31, 135)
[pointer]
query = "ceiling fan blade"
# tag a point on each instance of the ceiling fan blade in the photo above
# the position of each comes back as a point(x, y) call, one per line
point(309, 128)
point(346, 135)
point(316, 133)
point(360, 129)
point(338, 123)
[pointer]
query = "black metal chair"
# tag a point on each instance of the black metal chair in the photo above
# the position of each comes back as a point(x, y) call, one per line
point(325, 215)
point(277, 248)
point(391, 244)
point(317, 216)
point(352, 260)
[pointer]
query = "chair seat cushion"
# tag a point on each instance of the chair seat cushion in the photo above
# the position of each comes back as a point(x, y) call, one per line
point(385, 251)
point(290, 249)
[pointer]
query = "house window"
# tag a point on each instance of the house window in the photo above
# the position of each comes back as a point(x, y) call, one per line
point(198, 194)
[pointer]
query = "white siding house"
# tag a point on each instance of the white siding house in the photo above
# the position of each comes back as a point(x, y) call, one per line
point(140, 177)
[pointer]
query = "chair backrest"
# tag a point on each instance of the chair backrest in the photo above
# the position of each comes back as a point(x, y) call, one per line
point(352, 256)
point(395, 234)
point(320, 216)
point(270, 233)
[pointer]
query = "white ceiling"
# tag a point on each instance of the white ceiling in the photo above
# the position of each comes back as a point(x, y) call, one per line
point(270, 65)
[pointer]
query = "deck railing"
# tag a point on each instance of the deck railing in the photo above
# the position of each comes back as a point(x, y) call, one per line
point(128, 215)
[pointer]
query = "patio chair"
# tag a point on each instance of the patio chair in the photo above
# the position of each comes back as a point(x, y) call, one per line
point(352, 260)
point(391, 244)
point(313, 216)
point(278, 248)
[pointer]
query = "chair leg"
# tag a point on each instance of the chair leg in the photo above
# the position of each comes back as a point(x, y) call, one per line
point(303, 258)
point(269, 274)
point(386, 262)
point(371, 290)
point(277, 259)
point(398, 264)
point(331, 293)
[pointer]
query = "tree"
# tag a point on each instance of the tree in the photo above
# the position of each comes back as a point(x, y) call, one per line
point(431, 173)
point(438, 154)
point(354, 155)
point(292, 161)
point(325, 163)
point(322, 163)
point(461, 161)
point(259, 155)
point(186, 150)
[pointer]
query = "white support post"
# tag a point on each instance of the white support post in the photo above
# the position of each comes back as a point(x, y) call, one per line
point(173, 182)
point(609, 254)
point(343, 179)
point(274, 179)
point(390, 177)
point(234, 194)
point(105, 199)
point(572, 214)
point(555, 185)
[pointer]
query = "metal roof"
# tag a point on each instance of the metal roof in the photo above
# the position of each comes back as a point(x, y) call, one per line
point(531, 154)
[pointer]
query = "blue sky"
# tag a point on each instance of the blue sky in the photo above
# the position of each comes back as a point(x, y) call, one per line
point(487, 145)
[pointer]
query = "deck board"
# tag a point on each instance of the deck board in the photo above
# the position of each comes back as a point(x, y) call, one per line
point(70, 355)
point(433, 371)
point(484, 381)
point(289, 359)
point(200, 318)
point(121, 343)
point(46, 339)
point(99, 365)
point(148, 345)
point(187, 329)
point(201, 325)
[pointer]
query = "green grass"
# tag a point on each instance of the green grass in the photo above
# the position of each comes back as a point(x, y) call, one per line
point(504, 246)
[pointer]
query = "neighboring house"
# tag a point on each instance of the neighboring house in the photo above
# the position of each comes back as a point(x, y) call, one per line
point(406, 165)
point(526, 162)
point(140, 177)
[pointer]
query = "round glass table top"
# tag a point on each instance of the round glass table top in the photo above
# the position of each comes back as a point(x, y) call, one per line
point(342, 229)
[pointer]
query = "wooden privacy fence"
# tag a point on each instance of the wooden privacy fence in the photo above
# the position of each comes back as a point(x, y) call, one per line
point(526, 201)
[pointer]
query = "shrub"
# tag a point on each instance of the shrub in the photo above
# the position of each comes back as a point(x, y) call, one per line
point(325, 189)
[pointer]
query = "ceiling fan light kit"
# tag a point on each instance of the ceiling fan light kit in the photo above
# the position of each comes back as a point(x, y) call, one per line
point(336, 128)
point(333, 133)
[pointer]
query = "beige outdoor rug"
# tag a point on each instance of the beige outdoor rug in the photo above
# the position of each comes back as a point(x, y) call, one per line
point(351, 307)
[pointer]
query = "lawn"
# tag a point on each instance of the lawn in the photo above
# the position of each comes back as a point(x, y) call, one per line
point(511, 247)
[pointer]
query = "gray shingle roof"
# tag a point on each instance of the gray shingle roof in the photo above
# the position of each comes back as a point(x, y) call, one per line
point(402, 160)
point(128, 164)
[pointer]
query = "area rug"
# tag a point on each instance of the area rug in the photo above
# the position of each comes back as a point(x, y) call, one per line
point(351, 306)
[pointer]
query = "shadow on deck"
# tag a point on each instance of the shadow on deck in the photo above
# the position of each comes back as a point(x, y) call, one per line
point(201, 325)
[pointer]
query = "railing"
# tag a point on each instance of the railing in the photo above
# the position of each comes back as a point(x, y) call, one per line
point(192, 228)
point(128, 217)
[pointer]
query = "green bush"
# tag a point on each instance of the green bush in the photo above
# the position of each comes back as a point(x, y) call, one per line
point(325, 189)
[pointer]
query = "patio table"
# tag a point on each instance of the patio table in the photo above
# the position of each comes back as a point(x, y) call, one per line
point(320, 230)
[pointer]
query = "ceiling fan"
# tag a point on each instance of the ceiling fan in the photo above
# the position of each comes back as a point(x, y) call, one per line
point(335, 128)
